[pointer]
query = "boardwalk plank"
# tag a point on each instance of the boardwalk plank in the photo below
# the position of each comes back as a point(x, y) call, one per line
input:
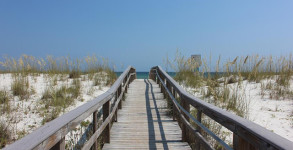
point(143, 123)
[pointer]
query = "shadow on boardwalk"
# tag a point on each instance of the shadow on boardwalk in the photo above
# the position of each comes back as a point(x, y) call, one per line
point(143, 122)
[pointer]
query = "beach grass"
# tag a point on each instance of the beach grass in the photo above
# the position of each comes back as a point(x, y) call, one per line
point(223, 84)
point(20, 87)
point(63, 81)
point(4, 102)
point(5, 135)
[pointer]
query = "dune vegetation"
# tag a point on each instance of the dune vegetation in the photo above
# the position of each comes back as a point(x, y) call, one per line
point(34, 90)
point(251, 87)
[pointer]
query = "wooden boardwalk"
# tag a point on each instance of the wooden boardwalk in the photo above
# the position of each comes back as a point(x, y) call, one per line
point(143, 122)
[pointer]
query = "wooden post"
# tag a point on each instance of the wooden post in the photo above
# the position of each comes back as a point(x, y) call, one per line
point(106, 112)
point(158, 80)
point(152, 75)
point(186, 106)
point(119, 93)
point(126, 84)
point(168, 87)
point(134, 76)
point(124, 81)
point(60, 145)
point(116, 98)
point(116, 117)
point(95, 145)
point(241, 144)
point(170, 103)
point(163, 89)
point(198, 116)
point(161, 85)
point(173, 107)
point(130, 78)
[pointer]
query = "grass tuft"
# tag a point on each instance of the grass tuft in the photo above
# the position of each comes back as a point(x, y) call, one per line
point(56, 101)
point(4, 102)
point(75, 88)
point(111, 77)
point(74, 74)
point(5, 136)
point(4, 98)
point(20, 87)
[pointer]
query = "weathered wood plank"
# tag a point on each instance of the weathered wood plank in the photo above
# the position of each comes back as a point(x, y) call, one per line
point(144, 122)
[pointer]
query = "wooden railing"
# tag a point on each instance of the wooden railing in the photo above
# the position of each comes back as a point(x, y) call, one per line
point(52, 134)
point(246, 134)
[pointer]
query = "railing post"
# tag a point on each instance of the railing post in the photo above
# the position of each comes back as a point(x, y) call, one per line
point(133, 76)
point(158, 80)
point(126, 84)
point(116, 115)
point(162, 88)
point(119, 93)
point(152, 75)
point(60, 145)
point(173, 106)
point(241, 144)
point(116, 111)
point(186, 106)
point(106, 112)
point(172, 90)
point(95, 129)
point(198, 116)
point(168, 87)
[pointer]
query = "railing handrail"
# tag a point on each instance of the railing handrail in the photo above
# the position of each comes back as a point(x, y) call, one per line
point(243, 128)
point(52, 132)
point(179, 107)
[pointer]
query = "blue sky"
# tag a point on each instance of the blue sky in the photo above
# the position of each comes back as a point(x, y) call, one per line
point(141, 33)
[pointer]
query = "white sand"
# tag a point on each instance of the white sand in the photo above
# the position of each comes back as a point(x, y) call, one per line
point(274, 115)
point(25, 115)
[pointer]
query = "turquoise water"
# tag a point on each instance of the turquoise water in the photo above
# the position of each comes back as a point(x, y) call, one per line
point(144, 75)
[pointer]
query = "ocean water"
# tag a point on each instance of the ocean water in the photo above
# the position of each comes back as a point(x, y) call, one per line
point(144, 75)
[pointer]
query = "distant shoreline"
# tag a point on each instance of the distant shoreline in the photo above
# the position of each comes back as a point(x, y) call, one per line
point(145, 75)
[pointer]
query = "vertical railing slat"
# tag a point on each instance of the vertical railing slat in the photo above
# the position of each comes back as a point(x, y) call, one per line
point(186, 106)
point(106, 112)
point(173, 107)
point(60, 145)
point(95, 129)
point(119, 93)
point(198, 116)
point(241, 144)
point(116, 111)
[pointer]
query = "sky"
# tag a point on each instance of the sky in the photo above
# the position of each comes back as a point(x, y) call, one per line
point(142, 33)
